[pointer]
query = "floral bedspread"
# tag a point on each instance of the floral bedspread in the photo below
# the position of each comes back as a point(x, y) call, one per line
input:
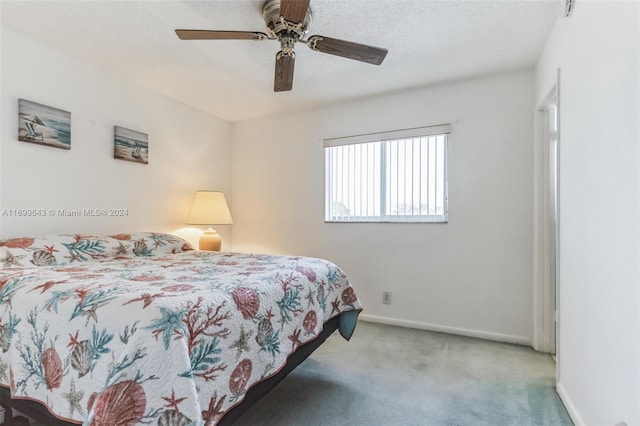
point(175, 337)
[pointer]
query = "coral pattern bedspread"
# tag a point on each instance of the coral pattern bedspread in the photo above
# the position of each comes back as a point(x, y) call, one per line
point(142, 329)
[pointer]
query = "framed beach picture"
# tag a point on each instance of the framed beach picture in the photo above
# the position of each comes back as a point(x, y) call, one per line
point(131, 145)
point(44, 125)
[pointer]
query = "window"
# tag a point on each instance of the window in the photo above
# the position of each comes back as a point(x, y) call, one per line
point(398, 176)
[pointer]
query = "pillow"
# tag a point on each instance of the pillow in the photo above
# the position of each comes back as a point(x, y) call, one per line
point(27, 252)
point(152, 243)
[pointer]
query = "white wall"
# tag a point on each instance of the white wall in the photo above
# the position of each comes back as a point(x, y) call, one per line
point(472, 275)
point(597, 51)
point(189, 149)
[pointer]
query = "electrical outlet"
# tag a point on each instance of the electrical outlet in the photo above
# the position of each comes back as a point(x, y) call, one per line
point(386, 297)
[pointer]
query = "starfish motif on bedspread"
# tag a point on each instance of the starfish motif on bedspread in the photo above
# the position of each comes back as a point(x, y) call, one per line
point(81, 293)
point(167, 325)
point(74, 397)
point(12, 260)
point(269, 314)
point(121, 250)
point(74, 257)
point(91, 313)
point(295, 339)
point(242, 344)
point(310, 298)
point(335, 306)
point(90, 301)
point(212, 414)
point(173, 402)
point(146, 298)
point(50, 249)
point(73, 340)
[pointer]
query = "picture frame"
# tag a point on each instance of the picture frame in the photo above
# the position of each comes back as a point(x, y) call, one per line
point(130, 145)
point(43, 125)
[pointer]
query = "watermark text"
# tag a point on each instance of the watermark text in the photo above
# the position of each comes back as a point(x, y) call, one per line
point(57, 212)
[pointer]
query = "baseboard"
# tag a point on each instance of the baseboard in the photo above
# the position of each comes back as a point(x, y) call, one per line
point(571, 409)
point(450, 330)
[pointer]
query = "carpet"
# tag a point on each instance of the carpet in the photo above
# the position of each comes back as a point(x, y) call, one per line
point(389, 376)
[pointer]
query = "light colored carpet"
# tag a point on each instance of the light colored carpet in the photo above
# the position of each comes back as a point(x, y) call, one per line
point(391, 376)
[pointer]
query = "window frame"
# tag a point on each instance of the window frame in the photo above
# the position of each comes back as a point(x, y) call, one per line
point(383, 138)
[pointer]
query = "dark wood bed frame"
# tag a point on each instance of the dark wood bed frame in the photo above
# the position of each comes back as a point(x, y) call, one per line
point(40, 414)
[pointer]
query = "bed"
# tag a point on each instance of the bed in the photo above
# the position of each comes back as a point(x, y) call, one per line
point(140, 328)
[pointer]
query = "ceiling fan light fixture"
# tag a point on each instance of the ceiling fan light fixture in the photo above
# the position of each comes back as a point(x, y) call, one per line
point(287, 44)
point(288, 22)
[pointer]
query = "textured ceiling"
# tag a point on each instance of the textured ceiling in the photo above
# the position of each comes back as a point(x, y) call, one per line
point(428, 42)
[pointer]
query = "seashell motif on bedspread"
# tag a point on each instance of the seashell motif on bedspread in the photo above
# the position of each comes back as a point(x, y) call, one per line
point(140, 248)
point(102, 343)
point(81, 358)
point(52, 366)
point(247, 301)
point(174, 418)
point(121, 404)
point(265, 329)
point(42, 258)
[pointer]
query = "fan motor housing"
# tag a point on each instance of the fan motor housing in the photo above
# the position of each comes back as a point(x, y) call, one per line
point(277, 27)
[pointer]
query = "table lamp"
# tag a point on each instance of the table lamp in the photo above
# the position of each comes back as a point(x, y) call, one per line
point(209, 208)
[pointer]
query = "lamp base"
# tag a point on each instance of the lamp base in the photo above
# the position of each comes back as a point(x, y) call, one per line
point(210, 241)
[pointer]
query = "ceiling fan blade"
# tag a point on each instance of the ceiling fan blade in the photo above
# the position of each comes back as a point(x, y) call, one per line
point(294, 11)
point(347, 49)
point(220, 35)
point(283, 80)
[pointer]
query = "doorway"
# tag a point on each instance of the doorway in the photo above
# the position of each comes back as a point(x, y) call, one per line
point(551, 212)
point(546, 283)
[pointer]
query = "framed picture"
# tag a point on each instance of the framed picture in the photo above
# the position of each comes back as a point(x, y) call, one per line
point(131, 145)
point(44, 125)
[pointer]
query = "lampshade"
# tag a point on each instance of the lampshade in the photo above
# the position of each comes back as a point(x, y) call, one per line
point(209, 208)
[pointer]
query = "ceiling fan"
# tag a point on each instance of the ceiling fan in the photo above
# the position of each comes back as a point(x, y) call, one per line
point(288, 21)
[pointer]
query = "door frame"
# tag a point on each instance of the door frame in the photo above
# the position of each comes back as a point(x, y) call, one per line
point(546, 265)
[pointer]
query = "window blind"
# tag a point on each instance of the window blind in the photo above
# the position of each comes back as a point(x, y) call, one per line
point(398, 176)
